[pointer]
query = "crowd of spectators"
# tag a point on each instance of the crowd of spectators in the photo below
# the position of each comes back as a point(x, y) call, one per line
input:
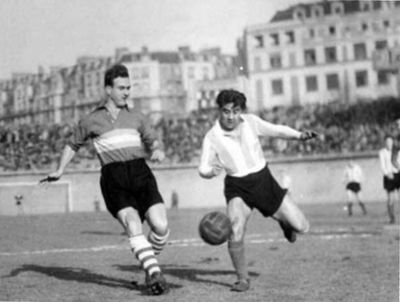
point(343, 128)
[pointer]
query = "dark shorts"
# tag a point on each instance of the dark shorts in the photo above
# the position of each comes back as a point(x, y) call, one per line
point(354, 186)
point(258, 190)
point(129, 184)
point(391, 184)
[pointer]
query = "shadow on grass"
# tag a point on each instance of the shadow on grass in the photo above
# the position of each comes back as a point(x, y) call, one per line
point(71, 274)
point(191, 274)
point(83, 276)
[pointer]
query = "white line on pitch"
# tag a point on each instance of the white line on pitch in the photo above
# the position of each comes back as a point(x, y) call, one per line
point(190, 242)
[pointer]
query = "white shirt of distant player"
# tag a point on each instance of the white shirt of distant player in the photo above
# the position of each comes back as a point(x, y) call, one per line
point(387, 166)
point(353, 173)
point(238, 151)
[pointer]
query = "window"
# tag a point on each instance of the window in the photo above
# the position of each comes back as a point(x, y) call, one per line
point(386, 23)
point(383, 78)
point(275, 39)
point(338, 10)
point(259, 41)
point(257, 64)
point(364, 26)
point(205, 73)
point(311, 83)
point(360, 51)
point(277, 87)
point(332, 30)
point(382, 44)
point(145, 72)
point(377, 4)
point(332, 81)
point(300, 15)
point(361, 78)
point(275, 60)
point(330, 54)
point(365, 6)
point(310, 57)
point(290, 37)
point(135, 73)
point(311, 32)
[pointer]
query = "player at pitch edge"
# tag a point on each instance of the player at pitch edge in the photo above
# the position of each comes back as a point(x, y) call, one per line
point(233, 145)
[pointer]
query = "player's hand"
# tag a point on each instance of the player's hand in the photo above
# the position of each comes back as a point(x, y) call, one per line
point(216, 170)
point(308, 134)
point(390, 176)
point(157, 155)
point(51, 177)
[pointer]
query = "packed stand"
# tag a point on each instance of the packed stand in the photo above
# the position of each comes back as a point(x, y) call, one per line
point(344, 128)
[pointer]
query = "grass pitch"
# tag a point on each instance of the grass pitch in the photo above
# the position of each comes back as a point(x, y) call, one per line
point(85, 257)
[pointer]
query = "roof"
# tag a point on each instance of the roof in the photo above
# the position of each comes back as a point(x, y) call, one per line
point(349, 7)
point(165, 56)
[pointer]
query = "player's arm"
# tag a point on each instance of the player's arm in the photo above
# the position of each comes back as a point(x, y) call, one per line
point(209, 166)
point(66, 157)
point(281, 131)
point(76, 141)
point(149, 138)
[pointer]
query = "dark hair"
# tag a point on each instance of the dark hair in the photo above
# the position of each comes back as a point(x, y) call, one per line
point(116, 71)
point(231, 96)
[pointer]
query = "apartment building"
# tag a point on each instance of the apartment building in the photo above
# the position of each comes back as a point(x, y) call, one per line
point(321, 52)
point(164, 81)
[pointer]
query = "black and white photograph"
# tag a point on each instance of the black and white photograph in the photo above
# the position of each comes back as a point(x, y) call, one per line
point(215, 150)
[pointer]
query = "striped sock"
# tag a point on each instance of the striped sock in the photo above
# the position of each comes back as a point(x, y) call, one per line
point(144, 253)
point(158, 242)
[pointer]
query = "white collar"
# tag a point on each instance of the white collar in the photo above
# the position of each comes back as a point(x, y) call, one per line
point(233, 133)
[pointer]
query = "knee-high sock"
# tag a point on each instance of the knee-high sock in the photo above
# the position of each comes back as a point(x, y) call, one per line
point(236, 251)
point(158, 242)
point(143, 251)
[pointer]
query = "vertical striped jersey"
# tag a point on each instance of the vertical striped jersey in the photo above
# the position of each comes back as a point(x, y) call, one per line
point(239, 151)
point(125, 138)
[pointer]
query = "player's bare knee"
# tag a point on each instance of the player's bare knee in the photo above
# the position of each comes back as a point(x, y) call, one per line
point(304, 227)
point(160, 227)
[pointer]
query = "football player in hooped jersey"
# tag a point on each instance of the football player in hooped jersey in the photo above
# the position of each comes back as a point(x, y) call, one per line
point(233, 145)
point(123, 138)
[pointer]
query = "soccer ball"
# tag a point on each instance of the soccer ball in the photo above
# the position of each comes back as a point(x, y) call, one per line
point(215, 228)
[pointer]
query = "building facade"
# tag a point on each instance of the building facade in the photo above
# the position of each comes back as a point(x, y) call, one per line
point(162, 82)
point(321, 52)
